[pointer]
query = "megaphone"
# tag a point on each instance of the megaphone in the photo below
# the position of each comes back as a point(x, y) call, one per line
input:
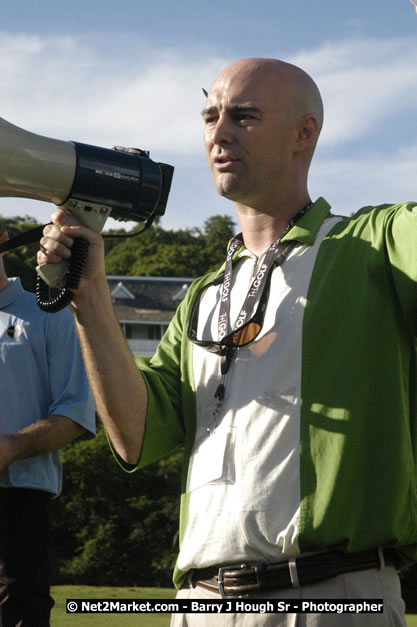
point(88, 182)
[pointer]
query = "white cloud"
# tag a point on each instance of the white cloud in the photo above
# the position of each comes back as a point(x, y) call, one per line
point(127, 92)
point(372, 179)
point(66, 88)
point(74, 88)
point(362, 82)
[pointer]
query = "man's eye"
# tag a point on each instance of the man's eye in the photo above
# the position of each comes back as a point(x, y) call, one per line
point(244, 118)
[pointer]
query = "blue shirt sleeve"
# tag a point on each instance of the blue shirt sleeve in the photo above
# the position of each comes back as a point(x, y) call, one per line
point(41, 374)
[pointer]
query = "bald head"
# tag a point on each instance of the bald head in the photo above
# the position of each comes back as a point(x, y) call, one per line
point(286, 84)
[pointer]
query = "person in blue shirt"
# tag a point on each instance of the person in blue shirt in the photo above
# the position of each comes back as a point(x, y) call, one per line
point(45, 404)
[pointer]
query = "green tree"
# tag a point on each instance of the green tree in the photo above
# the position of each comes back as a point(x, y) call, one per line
point(156, 252)
point(160, 252)
point(218, 230)
point(111, 527)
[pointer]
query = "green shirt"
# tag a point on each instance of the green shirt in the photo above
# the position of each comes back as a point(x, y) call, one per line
point(357, 445)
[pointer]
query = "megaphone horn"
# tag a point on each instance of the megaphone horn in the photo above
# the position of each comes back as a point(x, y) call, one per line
point(86, 181)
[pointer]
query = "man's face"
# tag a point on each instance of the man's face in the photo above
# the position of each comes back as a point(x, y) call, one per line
point(247, 134)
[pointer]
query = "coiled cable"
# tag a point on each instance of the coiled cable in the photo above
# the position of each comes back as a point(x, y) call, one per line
point(75, 270)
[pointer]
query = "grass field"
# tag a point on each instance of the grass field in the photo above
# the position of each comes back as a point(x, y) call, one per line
point(61, 619)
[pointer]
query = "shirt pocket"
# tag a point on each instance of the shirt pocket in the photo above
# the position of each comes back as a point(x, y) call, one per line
point(212, 459)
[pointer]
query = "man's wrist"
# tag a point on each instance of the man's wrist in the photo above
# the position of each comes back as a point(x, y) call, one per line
point(91, 296)
point(10, 449)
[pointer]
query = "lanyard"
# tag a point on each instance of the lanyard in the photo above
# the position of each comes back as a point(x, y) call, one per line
point(256, 288)
point(257, 284)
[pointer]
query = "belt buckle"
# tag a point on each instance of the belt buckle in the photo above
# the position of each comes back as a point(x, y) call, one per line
point(223, 569)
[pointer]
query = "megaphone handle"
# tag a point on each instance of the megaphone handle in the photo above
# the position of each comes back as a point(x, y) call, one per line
point(53, 274)
point(75, 269)
point(82, 213)
point(68, 273)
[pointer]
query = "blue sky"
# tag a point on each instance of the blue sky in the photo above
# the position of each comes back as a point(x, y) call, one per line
point(131, 73)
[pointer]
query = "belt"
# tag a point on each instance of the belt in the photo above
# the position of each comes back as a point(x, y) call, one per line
point(240, 580)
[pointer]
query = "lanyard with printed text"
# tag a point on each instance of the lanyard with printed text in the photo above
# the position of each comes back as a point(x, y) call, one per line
point(257, 284)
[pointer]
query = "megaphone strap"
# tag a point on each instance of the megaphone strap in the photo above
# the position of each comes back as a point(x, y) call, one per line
point(28, 237)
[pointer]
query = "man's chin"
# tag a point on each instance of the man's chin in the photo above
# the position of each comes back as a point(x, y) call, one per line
point(229, 187)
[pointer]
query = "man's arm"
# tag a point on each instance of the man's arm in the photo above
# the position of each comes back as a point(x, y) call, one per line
point(43, 436)
point(117, 385)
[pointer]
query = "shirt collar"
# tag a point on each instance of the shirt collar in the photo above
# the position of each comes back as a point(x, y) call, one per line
point(305, 230)
point(11, 292)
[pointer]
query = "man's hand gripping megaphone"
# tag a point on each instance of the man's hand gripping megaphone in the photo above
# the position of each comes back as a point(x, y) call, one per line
point(57, 245)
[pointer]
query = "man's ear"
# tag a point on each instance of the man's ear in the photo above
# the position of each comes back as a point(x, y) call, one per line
point(307, 132)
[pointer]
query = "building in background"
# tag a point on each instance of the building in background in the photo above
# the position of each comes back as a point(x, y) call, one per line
point(144, 307)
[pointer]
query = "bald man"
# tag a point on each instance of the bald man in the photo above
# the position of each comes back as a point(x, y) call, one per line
point(286, 375)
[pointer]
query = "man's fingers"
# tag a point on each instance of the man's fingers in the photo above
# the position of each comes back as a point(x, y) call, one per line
point(58, 240)
point(52, 252)
point(54, 233)
point(54, 245)
point(60, 218)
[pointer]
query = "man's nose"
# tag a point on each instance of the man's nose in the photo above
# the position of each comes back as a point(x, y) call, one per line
point(222, 131)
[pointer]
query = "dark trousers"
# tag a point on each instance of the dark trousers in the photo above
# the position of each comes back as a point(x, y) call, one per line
point(24, 558)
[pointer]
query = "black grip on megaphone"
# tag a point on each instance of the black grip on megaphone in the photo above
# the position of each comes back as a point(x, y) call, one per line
point(75, 270)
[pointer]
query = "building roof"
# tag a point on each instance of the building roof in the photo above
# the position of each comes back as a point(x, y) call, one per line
point(147, 299)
